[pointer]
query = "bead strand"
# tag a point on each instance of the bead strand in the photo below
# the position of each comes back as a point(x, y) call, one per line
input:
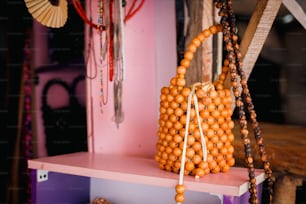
point(231, 56)
point(179, 80)
point(248, 100)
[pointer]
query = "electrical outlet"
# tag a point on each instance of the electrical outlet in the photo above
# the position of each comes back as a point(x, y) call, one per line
point(42, 175)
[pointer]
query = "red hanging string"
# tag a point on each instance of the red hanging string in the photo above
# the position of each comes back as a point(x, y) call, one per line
point(133, 11)
point(111, 42)
point(78, 7)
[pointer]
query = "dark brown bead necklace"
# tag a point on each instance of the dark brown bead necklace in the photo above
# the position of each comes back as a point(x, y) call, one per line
point(243, 98)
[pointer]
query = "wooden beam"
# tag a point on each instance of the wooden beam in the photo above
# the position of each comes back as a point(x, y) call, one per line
point(257, 31)
point(207, 46)
point(296, 10)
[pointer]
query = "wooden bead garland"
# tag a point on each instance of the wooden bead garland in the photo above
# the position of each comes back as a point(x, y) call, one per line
point(228, 22)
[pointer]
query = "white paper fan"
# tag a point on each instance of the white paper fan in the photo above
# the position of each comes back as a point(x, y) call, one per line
point(54, 16)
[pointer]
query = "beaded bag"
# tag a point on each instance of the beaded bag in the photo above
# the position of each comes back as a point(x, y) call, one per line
point(195, 122)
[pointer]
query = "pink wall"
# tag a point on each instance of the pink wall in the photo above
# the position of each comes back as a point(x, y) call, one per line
point(150, 62)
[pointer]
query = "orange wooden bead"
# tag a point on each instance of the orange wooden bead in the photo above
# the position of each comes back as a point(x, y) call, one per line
point(196, 159)
point(225, 168)
point(212, 164)
point(178, 125)
point(191, 140)
point(185, 92)
point(181, 82)
point(188, 55)
point(177, 138)
point(213, 29)
point(165, 90)
point(173, 81)
point(183, 119)
point(230, 149)
point(180, 188)
point(192, 48)
point(231, 137)
point(214, 152)
point(231, 162)
point(223, 151)
point(197, 146)
point(168, 167)
point(221, 163)
point(177, 164)
point(206, 33)
point(213, 94)
point(203, 165)
point(196, 42)
point(204, 114)
point(210, 133)
point(177, 152)
point(179, 198)
point(181, 70)
point(184, 105)
point(185, 63)
point(216, 170)
point(189, 166)
point(179, 98)
point(172, 157)
point(209, 145)
point(199, 172)
point(190, 152)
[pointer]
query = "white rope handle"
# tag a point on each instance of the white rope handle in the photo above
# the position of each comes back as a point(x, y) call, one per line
point(193, 96)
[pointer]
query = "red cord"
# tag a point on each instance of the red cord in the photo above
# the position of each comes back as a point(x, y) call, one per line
point(133, 11)
point(111, 42)
point(78, 7)
point(131, 8)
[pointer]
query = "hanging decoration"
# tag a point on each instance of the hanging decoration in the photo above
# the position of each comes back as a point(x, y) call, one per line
point(119, 61)
point(110, 28)
point(49, 13)
point(104, 38)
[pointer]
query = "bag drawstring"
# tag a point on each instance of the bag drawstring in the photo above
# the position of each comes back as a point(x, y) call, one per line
point(192, 95)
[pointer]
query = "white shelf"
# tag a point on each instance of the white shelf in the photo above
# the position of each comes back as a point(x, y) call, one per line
point(143, 171)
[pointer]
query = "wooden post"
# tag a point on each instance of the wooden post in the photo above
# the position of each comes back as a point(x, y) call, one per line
point(201, 16)
point(285, 189)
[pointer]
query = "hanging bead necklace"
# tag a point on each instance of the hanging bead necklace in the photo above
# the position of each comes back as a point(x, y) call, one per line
point(228, 22)
point(111, 42)
point(110, 28)
point(90, 46)
point(119, 61)
point(103, 51)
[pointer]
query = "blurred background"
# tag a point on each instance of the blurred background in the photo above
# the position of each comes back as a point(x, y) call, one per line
point(277, 82)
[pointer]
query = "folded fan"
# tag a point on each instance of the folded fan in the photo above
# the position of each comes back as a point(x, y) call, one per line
point(51, 14)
